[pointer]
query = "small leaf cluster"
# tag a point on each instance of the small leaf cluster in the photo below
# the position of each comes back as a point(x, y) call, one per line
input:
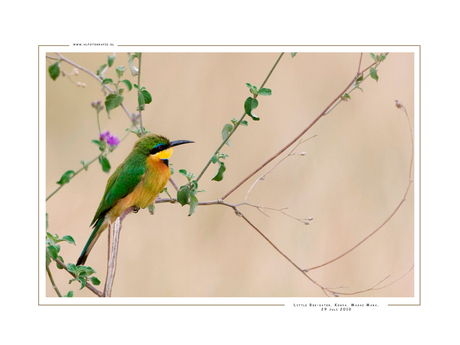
point(252, 103)
point(113, 100)
point(229, 128)
point(144, 97)
point(187, 193)
point(103, 160)
point(218, 158)
point(53, 248)
point(82, 274)
point(378, 59)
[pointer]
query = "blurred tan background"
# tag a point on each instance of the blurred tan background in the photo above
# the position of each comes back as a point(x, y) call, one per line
point(353, 176)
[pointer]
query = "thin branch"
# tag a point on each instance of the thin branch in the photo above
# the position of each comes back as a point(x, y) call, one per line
point(324, 112)
point(50, 276)
point(61, 57)
point(139, 56)
point(359, 66)
point(237, 124)
point(173, 184)
point(371, 234)
point(112, 262)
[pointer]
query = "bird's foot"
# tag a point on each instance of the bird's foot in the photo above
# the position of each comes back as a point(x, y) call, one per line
point(136, 209)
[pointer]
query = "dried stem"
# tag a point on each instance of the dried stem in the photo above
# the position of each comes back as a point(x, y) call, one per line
point(371, 234)
point(112, 261)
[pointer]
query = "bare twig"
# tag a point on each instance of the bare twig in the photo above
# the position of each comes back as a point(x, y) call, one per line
point(62, 58)
point(324, 112)
point(371, 234)
point(112, 262)
point(50, 276)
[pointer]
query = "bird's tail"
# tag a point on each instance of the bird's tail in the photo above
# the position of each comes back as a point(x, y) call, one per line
point(98, 229)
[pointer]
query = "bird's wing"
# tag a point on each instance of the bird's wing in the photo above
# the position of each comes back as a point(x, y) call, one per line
point(121, 183)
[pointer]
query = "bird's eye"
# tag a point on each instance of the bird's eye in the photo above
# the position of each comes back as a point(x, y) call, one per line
point(160, 147)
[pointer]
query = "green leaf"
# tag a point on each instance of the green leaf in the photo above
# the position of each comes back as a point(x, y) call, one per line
point(58, 265)
point(183, 172)
point(71, 268)
point(101, 70)
point(133, 68)
point(52, 251)
point(373, 73)
point(128, 84)
point(249, 85)
point(193, 205)
point(147, 96)
point(220, 172)
point(264, 92)
point(104, 163)
point(95, 281)
point(107, 81)
point(244, 123)
point(54, 70)
point(183, 194)
point(228, 128)
point(82, 282)
point(85, 165)
point(65, 178)
point(68, 239)
point(69, 294)
point(293, 54)
point(112, 101)
point(373, 56)
point(110, 59)
point(102, 145)
point(140, 101)
point(119, 71)
point(383, 57)
point(46, 221)
point(214, 159)
point(249, 105)
point(85, 271)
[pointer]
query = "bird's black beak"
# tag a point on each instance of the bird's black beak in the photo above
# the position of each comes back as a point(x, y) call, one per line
point(180, 142)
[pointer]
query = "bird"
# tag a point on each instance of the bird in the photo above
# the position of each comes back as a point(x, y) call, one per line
point(135, 183)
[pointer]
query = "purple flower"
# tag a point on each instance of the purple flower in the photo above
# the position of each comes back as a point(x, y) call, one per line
point(113, 140)
point(104, 136)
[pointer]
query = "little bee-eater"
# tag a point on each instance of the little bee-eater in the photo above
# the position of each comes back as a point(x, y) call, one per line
point(136, 183)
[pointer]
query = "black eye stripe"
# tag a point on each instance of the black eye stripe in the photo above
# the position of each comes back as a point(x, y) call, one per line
point(157, 149)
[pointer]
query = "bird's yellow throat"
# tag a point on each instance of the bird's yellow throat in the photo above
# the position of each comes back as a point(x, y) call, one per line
point(166, 154)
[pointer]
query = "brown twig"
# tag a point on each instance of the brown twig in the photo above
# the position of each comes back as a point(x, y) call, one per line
point(112, 261)
point(371, 234)
point(62, 58)
point(298, 136)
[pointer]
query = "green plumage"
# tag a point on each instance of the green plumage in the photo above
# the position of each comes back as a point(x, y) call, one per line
point(122, 182)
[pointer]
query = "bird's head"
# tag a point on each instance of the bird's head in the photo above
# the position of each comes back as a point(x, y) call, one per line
point(157, 145)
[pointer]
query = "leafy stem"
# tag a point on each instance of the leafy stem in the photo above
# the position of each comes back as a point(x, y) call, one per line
point(225, 140)
point(50, 276)
point(139, 57)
